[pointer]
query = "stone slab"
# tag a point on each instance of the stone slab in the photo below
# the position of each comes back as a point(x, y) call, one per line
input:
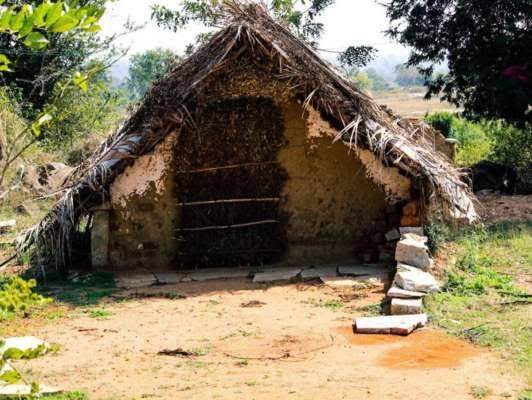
point(135, 281)
point(398, 293)
point(277, 274)
point(415, 280)
point(357, 282)
point(417, 230)
point(392, 235)
point(363, 270)
point(390, 324)
point(168, 278)
point(413, 252)
point(15, 391)
point(23, 343)
point(406, 306)
point(318, 271)
point(219, 273)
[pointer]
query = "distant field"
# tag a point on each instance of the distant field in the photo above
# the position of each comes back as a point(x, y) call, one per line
point(411, 104)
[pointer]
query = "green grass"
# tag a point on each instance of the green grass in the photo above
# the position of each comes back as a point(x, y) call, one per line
point(18, 296)
point(99, 313)
point(332, 304)
point(481, 298)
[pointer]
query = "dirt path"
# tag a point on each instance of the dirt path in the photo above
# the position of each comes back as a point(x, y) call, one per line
point(302, 328)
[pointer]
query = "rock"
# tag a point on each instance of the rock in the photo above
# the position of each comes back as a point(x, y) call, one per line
point(135, 281)
point(56, 175)
point(24, 343)
point(397, 292)
point(168, 278)
point(361, 282)
point(413, 252)
point(363, 269)
point(316, 272)
point(276, 274)
point(392, 235)
point(416, 237)
point(394, 324)
point(7, 226)
point(415, 280)
point(406, 306)
point(17, 390)
point(417, 230)
point(220, 273)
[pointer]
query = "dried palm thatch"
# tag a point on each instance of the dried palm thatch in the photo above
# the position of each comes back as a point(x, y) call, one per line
point(251, 32)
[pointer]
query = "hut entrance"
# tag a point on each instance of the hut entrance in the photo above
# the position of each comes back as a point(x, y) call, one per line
point(229, 183)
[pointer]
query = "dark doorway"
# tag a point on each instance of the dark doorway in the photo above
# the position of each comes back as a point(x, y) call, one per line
point(229, 184)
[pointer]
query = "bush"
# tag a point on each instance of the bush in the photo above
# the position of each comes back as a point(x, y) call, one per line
point(16, 294)
point(474, 142)
point(511, 145)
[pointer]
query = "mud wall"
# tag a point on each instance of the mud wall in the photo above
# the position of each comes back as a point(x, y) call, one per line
point(143, 212)
point(337, 203)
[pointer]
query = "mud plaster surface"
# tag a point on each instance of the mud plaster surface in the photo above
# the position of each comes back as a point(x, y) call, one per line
point(332, 198)
point(144, 211)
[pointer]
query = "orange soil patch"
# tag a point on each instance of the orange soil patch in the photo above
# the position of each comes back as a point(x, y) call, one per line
point(422, 349)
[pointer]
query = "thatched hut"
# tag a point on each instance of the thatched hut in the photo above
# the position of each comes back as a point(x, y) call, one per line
point(253, 150)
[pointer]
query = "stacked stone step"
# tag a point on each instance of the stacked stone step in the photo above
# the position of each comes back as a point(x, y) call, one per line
point(412, 282)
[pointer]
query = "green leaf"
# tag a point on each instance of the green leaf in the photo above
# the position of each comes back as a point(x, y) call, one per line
point(5, 20)
point(81, 81)
point(40, 13)
point(4, 63)
point(53, 14)
point(27, 27)
point(18, 20)
point(64, 23)
point(93, 28)
point(10, 376)
point(36, 41)
point(39, 123)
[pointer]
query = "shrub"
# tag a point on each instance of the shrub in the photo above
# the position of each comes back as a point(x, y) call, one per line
point(511, 145)
point(16, 294)
point(474, 142)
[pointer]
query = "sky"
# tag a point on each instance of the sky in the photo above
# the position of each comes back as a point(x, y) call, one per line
point(347, 22)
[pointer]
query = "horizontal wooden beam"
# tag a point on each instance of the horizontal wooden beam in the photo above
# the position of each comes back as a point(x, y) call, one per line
point(222, 201)
point(233, 166)
point(218, 227)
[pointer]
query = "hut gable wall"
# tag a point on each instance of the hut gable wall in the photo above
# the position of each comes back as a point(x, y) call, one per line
point(334, 203)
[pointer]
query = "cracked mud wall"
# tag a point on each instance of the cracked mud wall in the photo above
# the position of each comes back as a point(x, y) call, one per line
point(336, 203)
point(144, 212)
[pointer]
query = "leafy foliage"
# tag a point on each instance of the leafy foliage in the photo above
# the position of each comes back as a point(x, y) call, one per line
point(63, 36)
point(486, 45)
point(17, 294)
point(511, 145)
point(357, 56)
point(474, 142)
point(147, 67)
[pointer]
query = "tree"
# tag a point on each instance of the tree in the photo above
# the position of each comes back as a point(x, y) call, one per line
point(42, 42)
point(406, 76)
point(487, 45)
point(145, 68)
point(300, 16)
point(361, 79)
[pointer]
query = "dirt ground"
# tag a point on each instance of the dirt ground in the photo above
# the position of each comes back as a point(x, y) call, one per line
point(253, 341)
point(497, 208)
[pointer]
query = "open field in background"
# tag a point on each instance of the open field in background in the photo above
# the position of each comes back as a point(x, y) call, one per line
point(411, 103)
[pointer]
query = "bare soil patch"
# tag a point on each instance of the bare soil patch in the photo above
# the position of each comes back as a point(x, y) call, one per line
point(498, 208)
point(294, 346)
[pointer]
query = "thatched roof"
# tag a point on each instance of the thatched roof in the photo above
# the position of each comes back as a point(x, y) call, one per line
point(250, 30)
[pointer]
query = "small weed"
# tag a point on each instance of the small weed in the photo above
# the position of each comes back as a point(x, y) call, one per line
point(242, 363)
point(480, 392)
point(251, 383)
point(100, 314)
point(330, 304)
point(371, 310)
point(525, 395)
point(17, 295)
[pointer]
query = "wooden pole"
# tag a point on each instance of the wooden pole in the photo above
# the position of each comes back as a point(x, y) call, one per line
point(221, 201)
point(217, 227)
